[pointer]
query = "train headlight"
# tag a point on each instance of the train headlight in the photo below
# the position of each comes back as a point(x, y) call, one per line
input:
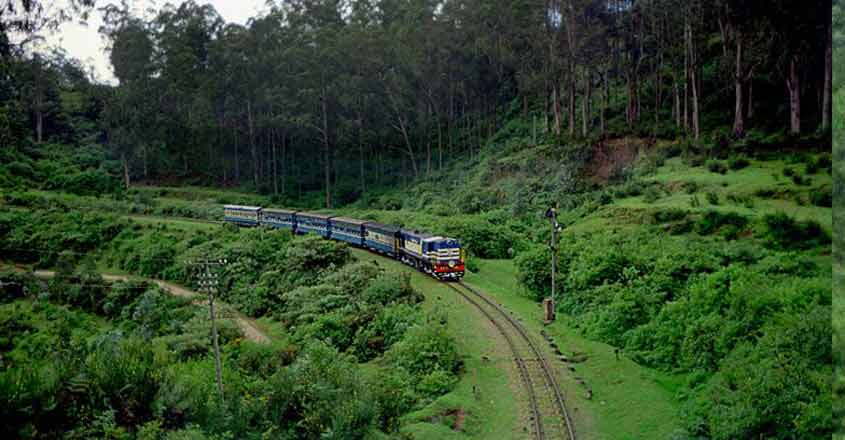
point(452, 263)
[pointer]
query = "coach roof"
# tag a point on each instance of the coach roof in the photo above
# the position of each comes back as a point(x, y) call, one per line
point(242, 207)
point(348, 220)
point(313, 215)
point(278, 211)
point(376, 226)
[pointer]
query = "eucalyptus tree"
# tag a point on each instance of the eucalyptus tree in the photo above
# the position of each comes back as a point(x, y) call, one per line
point(130, 111)
point(183, 37)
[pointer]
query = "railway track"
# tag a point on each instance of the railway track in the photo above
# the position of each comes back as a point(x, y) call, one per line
point(548, 416)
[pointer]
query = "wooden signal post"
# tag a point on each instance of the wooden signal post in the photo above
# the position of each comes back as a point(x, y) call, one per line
point(208, 283)
point(549, 303)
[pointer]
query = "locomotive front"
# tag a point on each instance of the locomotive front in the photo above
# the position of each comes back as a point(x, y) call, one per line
point(447, 257)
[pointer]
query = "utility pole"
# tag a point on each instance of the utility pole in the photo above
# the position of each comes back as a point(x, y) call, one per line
point(208, 283)
point(550, 303)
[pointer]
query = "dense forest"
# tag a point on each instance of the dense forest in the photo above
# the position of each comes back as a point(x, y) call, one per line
point(336, 97)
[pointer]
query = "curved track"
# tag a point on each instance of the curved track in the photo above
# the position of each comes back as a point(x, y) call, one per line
point(548, 414)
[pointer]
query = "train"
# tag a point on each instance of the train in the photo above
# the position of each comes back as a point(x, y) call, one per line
point(441, 257)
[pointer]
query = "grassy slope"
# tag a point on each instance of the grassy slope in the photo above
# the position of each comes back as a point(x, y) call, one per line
point(491, 413)
point(744, 183)
point(838, 321)
point(629, 401)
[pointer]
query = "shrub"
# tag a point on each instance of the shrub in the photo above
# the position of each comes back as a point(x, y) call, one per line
point(822, 197)
point(788, 172)
point(716, 166)
point(651, 194)
point(824, 162)
point(738, 163)
point(694, 202)
point(744, 200)
point(712, 221)
point(784, 232)
point(712, 198)
point(630, 188)
point(690, 187)
point(426, 348)
point(799, 180)
point(669, 215)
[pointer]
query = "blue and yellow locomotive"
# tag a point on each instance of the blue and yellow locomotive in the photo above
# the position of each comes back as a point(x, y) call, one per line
point(441, 257)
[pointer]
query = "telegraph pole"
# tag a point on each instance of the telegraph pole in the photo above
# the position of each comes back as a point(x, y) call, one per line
point(208, 283)
point(551, 214)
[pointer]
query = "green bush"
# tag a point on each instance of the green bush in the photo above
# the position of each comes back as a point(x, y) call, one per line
point(801, 181)
point(712, 198)
point(784, 232)
point(427, 348)
point(738, 162)
point(651, 194)
point(822, 197)
point(716, 166)
point(712, 221)
point(669, 215)
point(690, 187)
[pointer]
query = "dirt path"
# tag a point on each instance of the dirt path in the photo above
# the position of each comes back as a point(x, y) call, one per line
point(248, 326)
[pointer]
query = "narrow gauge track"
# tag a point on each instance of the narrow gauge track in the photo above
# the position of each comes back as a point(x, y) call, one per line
point(548, 413)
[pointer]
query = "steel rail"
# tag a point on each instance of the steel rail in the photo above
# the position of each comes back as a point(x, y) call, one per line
point(520, 363)
point(547, 370)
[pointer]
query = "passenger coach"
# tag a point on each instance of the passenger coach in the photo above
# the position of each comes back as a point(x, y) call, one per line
point(242, 215)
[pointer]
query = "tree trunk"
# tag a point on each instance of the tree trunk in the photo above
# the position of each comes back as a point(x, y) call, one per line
point(327, 169)
point(750, 99)
point(739, 113)
point(793, 85)
point(144, 160)
point(556, 109)
point(39, 125)
point(275, 173)
point(284, 161)
point(585, 106)
point(571, 108)
point(428, 155)
point(439, 144)
point(827, 88)
point(696, 128)
point(252, 148)
point(659, 99)
point(125, 163)
point(686, 81)
point(606, 91)
point(361, 153)
point(677, 111)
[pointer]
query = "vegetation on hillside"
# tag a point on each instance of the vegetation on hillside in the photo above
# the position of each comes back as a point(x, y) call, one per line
point(142, 367)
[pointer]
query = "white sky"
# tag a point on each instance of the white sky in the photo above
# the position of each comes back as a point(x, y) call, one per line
point(86, 44)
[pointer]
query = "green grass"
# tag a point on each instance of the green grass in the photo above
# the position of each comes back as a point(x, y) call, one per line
point(491, 412)
point(838, 321)
point(629, 401)
point(631, 212)
point(175, 223)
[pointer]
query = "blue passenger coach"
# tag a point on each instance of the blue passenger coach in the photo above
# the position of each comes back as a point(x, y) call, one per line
point(279, 218)
point(347, 229)
point(242, 215)
point(381, 238)
point(315, 223)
